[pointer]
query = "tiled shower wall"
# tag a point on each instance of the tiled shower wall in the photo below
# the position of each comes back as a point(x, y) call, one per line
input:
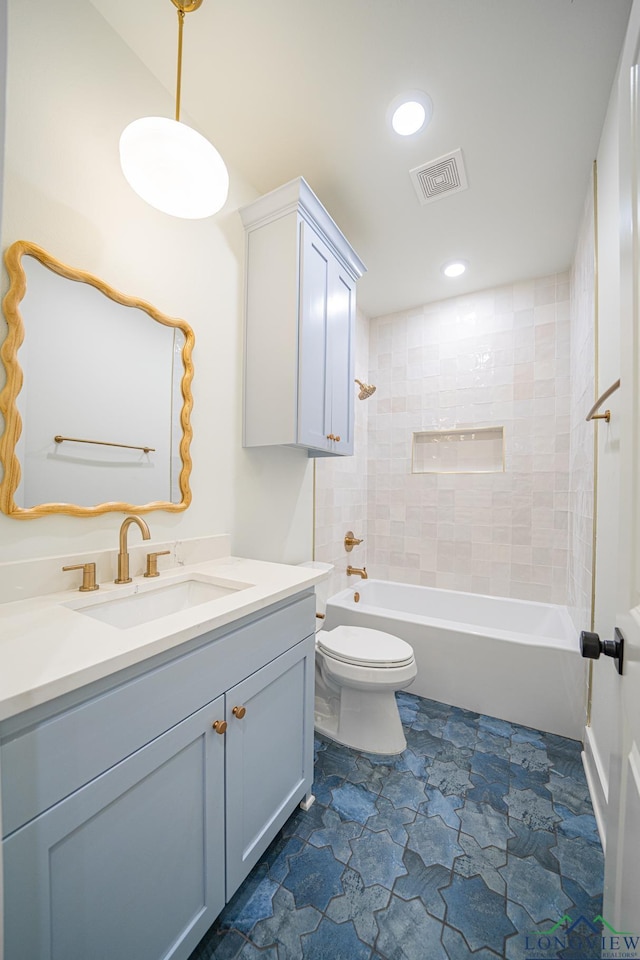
point(496, 358)
point(582, 433)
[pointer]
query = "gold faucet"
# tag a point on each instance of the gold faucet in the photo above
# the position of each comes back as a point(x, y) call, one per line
point(361, 573)
point(123, 556)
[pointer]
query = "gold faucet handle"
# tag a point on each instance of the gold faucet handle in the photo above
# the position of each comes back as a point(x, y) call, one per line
point(152, 562)
point(350, 541)
point(88, 576)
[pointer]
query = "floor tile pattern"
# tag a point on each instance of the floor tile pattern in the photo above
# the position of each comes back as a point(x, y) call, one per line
point(478, 836)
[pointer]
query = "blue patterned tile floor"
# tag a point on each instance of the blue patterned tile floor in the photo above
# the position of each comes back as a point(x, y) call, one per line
point(479, 841)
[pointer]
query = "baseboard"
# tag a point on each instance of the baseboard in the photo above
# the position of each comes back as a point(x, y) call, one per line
point(597, 783)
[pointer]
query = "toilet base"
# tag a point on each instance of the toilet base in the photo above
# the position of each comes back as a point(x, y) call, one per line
point(364, 720)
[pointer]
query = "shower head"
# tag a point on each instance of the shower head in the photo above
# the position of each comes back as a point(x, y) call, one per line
point(366, 389)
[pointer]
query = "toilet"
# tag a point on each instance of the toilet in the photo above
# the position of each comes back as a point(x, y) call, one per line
point(358, 671)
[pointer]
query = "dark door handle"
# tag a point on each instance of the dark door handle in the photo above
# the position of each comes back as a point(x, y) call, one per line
point(592, 646)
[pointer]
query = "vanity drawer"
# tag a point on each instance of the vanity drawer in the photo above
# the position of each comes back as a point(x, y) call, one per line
point(43, 763)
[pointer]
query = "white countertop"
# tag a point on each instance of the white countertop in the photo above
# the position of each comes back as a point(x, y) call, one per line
point(48, 649)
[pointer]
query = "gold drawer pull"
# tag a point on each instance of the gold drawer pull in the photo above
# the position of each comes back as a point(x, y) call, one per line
point(239, 712)
point(330, 436)
point(337, 439)
point(220, 726)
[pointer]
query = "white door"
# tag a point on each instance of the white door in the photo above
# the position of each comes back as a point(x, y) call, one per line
point(622, 880)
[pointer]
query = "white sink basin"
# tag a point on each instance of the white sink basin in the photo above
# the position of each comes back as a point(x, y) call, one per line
point(152, 603)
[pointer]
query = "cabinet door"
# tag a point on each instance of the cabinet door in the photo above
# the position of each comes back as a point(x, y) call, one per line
point(269, 761)
point(314, 408)
point(340, 374)
point(131, 865)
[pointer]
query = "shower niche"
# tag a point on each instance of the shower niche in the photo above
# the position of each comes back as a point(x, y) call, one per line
point(460, 450)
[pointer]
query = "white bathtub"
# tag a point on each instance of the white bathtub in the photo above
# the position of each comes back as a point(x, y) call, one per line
point(511, 659)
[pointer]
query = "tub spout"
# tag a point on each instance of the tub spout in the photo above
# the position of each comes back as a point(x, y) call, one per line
point(361, 573)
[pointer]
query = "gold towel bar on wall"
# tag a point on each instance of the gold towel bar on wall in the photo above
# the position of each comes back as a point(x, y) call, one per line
point(592, 415)
point(104, 443)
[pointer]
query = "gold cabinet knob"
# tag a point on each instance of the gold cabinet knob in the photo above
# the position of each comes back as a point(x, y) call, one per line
point(337, 439)
point(220, 726)
point(330, 436)
point(239, 712)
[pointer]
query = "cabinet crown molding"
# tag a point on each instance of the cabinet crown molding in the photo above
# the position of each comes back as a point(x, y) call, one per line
point(298, 196)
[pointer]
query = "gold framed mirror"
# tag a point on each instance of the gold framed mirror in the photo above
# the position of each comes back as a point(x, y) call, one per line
point(97, 400)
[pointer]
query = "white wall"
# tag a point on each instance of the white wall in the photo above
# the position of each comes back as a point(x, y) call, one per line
point(72, 87)
point(3, 64)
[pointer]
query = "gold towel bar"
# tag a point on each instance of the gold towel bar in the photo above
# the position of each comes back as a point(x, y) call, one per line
point(104, 443)
point(592, 415)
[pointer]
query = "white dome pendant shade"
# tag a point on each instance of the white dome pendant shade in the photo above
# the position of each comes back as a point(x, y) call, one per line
point(171, 166)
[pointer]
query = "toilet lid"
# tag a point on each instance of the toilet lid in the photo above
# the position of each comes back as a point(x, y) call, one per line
point(365, 647)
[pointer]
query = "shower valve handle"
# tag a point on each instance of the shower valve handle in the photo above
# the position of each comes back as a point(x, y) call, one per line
point(591, 646)
point(350, 541)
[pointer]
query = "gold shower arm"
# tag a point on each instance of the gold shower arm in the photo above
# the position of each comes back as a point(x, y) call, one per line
point(592, 415)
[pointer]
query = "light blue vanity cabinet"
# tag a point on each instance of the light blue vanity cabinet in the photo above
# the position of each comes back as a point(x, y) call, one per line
point(129, 864)
point(301, 275)
point(266, 759)
point(137, 859)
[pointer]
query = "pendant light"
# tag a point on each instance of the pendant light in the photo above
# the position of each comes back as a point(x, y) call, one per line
point(170, 165)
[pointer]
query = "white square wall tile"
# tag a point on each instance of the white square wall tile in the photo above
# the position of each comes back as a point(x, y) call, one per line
point(499, 357)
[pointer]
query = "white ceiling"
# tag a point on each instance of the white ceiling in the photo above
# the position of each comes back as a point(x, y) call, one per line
point(285, 88)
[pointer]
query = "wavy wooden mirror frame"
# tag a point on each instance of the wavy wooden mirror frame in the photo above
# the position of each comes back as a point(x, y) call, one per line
point(9, 393)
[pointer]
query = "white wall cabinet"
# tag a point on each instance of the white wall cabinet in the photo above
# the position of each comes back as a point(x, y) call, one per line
point(300, 312)
point(138, 857)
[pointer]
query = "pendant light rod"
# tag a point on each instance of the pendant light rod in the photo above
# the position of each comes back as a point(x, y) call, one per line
point(169, 164)
point(179, 74)
point(182, 6)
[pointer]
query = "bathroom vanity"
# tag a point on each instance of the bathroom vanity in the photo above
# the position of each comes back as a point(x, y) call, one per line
point(134, 805)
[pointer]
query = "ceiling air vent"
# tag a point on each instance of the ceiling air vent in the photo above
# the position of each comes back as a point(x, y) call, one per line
point(439, 178)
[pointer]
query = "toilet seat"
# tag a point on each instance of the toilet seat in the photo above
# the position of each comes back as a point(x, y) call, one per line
point(362, 646)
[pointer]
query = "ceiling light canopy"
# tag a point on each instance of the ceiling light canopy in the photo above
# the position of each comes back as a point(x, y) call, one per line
point(170, 165)
point(454, 268)
point(410, 112)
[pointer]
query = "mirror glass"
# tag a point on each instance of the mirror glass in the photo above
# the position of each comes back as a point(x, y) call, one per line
point(97, 399)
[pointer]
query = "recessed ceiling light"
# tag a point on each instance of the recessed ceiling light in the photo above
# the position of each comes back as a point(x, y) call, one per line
point(410, 112)
point(454, 268)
